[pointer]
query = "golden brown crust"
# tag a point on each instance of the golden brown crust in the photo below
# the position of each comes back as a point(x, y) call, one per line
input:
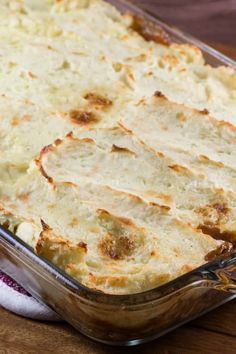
point(120, 149)
point(149, 30)
point(159, 94)
point(214, 215)
point(106, 214)
point(82, 117)
point(38, 162)
point(98, 101)
point(217, 234)
point(117, 248)
point(224, 249)
point(179, 169)
point(51, 245)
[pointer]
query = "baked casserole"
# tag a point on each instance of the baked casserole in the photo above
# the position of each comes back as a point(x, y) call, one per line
point(117, 150)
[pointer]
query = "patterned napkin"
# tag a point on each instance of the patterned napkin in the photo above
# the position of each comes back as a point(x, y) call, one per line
point(16, 299)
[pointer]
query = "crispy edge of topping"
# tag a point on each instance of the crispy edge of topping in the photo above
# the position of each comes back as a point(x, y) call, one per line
point(159, 94)
point(106, 214)
point(204, 111)
point(218, 210)
point(51, 148)
point(179, 168)
point(39, 164)
point(47, 235)
point(217, 234)
point(217, 122)
point(118, 149)
point(214, 218)
point(149, 30)
point(223, 250)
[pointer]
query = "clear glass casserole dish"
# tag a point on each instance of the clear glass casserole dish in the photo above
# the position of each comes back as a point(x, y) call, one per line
point(125, 319)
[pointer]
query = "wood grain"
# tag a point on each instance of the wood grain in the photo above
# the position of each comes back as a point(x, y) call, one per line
point(206, 336)
point(212, 20)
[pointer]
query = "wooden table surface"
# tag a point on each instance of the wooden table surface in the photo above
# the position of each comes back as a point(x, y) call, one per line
point(213, 333)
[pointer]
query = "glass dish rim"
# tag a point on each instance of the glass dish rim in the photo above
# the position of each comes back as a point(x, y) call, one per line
point(175, 31)
point(197, 275)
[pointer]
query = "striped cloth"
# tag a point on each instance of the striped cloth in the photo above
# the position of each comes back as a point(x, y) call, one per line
point(16, 299)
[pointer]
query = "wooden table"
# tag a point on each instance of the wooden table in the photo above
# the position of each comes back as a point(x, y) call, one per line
point(213, 333)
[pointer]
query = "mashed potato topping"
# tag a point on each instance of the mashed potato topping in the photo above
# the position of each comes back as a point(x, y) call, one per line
point(117, 152)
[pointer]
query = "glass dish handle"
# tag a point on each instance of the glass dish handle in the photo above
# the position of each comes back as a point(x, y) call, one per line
point(223, 275)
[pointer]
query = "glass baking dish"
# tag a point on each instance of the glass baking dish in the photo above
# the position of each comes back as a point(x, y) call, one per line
point(125, 319)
